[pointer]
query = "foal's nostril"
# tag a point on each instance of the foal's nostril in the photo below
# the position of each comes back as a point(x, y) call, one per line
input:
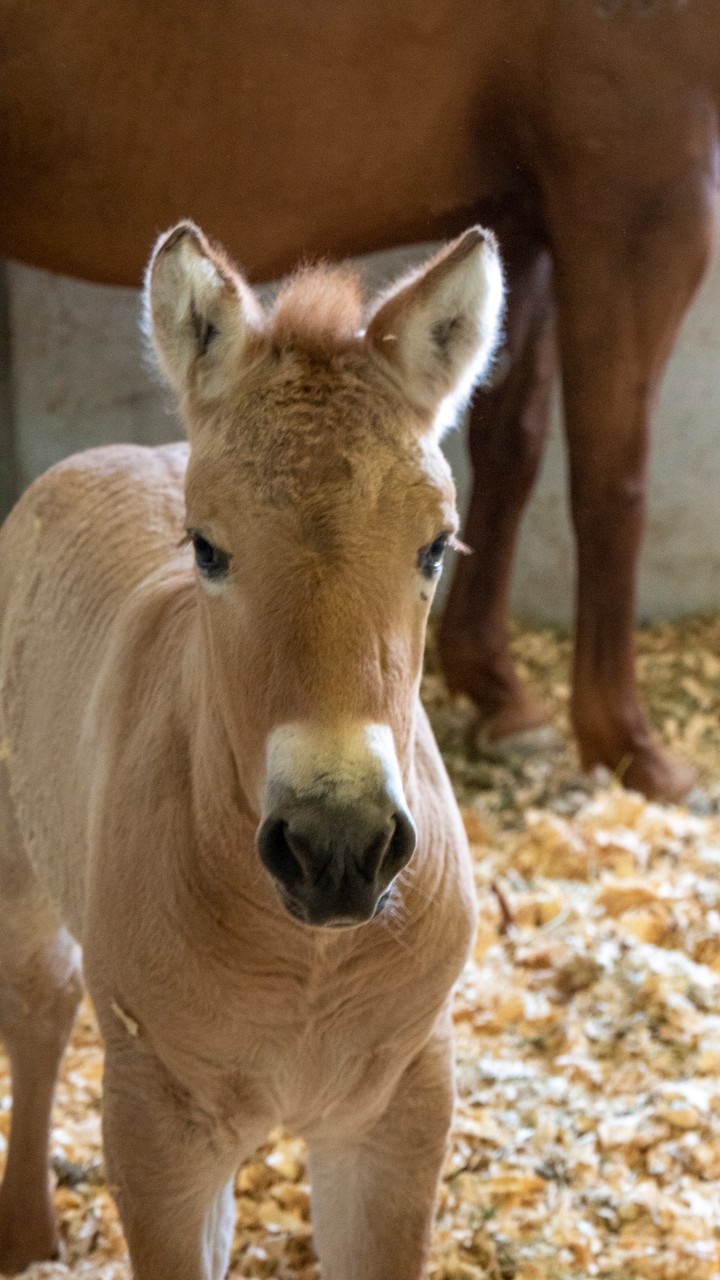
point(402, 844)
point(390, 849)
point(370, 859)
point(277, 853)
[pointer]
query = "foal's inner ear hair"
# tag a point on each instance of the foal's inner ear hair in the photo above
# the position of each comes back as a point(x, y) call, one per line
point(205, 330)
point(196, 304)
point(436, 330)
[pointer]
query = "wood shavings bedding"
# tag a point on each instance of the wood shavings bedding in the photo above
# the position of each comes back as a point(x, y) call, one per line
point(587, 1135)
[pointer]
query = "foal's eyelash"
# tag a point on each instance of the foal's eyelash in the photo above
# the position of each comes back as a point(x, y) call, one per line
point(462, 547)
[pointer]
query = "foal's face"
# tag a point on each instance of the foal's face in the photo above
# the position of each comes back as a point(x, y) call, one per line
point(320, 508)
point(317, 561)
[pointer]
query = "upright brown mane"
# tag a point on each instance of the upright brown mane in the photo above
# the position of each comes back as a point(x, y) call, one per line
point(318, 310)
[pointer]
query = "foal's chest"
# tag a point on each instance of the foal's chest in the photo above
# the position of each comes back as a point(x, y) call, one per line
point(324, 1049)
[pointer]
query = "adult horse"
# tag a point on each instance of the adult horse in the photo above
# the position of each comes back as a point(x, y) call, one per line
point(584, 131)
point(218, 778)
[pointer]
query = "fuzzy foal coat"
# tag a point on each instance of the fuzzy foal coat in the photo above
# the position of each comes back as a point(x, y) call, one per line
point(133, 756)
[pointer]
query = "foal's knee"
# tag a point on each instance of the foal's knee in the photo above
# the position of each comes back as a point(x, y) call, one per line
point(40, 994)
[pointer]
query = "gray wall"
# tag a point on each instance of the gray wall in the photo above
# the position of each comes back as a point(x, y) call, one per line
point(76, 377)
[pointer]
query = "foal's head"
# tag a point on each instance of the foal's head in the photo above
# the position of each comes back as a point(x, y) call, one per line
point(319, 506)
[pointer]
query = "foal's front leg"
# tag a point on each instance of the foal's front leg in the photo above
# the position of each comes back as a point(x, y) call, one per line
point(171, 1168)
point(373, 1202)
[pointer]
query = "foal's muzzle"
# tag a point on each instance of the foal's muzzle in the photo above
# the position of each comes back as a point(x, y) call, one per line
point(335, 861)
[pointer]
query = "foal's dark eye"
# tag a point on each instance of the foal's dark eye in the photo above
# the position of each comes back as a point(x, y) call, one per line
point(210, 560)
point(430, 559)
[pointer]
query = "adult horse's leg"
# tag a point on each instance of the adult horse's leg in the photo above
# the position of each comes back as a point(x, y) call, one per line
point(373, 1200)
point(623, 283)
point(170, 1164)
point(40, 986)
point(508, 427)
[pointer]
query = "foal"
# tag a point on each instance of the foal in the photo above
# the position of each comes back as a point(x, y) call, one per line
point(216, 776)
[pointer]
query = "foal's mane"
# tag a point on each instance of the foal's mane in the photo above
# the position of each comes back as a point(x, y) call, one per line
point(318, 311)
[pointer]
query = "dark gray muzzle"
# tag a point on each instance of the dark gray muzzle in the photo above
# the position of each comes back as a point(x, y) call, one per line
point(334, 862)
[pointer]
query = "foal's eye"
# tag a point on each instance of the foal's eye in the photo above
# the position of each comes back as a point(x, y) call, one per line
point(430, 558)
point(210, 560)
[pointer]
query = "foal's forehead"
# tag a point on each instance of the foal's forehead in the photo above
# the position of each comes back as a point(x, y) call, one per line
point(303, 425)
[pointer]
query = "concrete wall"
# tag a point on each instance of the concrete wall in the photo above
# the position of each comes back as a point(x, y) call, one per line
point(76, 377)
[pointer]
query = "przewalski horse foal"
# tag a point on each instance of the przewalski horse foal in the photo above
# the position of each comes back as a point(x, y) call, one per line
point(210, 773)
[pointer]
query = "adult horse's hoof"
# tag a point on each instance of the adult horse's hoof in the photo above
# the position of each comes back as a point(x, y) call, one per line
point(508, 715)
point(517, 723)
point(652, 771)
point(524, 742)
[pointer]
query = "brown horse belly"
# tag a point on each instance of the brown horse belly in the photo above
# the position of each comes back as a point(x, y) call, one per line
point(284, 131)
point(317, 130)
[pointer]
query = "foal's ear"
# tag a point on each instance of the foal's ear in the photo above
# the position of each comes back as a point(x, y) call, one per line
point(437, 329)
point(198, 310)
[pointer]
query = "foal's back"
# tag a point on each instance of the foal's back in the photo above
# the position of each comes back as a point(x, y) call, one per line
point(72, 551)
